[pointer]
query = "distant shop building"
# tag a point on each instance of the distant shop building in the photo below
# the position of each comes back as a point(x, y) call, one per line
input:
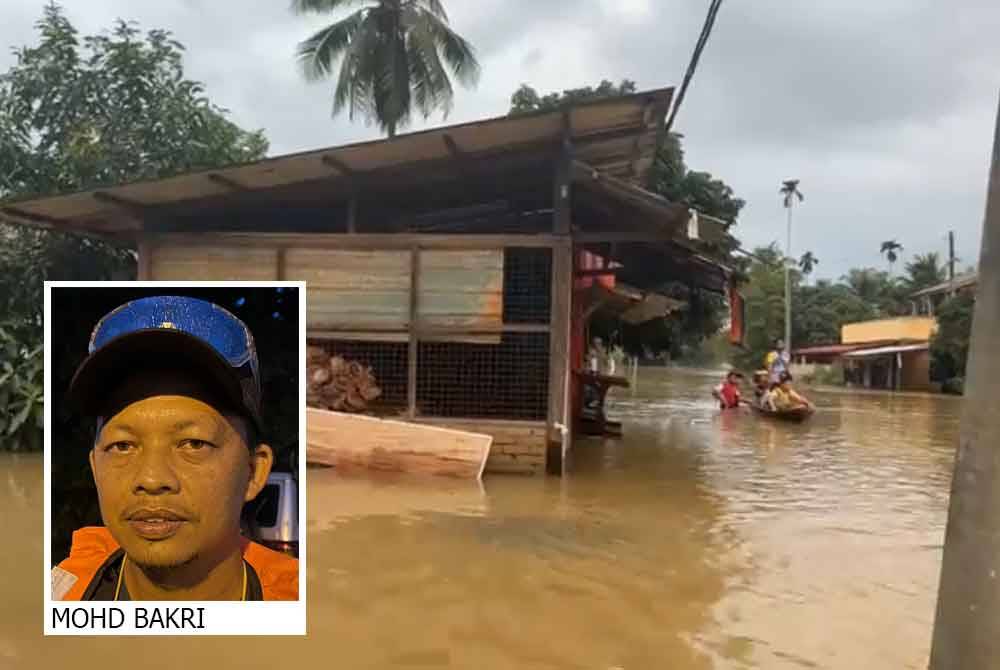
point(891, 354)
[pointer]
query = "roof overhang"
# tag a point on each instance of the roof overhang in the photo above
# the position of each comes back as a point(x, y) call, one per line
point(615, 136)
point(888, 351)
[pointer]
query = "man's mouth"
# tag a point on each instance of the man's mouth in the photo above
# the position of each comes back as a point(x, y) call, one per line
point(156, 524)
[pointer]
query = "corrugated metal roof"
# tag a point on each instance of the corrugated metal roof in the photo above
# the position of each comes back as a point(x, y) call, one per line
point(885, 351)
point(827, 349)
point(615, 136)
point(959, 282)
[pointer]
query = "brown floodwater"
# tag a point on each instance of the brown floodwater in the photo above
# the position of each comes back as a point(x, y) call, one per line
point(697, 541)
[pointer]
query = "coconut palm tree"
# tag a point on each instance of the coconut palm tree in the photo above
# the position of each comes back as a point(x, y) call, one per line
point(790, 191)
point(924, 271)
point(808, 263)
point(392, 56)
point(890, 249)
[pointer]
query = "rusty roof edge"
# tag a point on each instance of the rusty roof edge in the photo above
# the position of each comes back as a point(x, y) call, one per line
point(656, 200)
point(653, 95)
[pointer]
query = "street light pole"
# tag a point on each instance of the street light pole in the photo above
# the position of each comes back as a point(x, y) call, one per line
point(967, 624)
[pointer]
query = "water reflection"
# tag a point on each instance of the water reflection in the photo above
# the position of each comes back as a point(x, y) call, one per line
point(699, 541)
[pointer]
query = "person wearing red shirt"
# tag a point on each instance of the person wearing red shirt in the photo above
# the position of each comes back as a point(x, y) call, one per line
point(728, 393)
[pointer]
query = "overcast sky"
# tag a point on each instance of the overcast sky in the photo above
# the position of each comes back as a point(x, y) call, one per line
point(883, 108)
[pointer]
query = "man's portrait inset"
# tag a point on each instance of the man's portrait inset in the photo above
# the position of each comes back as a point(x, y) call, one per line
point(172, 386)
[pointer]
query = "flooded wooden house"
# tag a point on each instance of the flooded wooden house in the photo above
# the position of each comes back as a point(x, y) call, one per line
point(460, 263)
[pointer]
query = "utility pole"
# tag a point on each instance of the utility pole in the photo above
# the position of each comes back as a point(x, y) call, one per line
point(967, 624)
point(951, 255)
point(788, 281)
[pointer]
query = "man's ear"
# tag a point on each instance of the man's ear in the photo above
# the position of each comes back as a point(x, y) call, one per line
point(261, 461)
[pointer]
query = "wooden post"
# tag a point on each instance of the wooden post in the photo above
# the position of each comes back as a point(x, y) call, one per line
point(562, 305)
point(352, 215)
point(559, 363)
point(414, 341)
point(144, 259)
point(965, 629)
point(281, 263)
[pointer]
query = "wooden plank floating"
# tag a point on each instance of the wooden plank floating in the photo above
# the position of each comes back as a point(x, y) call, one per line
point(335, 499)
point(353, 442)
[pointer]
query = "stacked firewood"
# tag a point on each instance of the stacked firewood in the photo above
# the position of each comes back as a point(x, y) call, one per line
point(338, 384)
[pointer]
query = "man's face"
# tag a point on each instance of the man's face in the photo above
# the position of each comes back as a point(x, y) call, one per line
point(173, 472)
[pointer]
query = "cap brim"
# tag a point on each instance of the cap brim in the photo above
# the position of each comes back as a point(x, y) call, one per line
point(99, 372)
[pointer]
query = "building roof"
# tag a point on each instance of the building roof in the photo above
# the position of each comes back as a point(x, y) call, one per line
point(827, 350)
point(614, 138)
point(885, 351)
point(956, 284)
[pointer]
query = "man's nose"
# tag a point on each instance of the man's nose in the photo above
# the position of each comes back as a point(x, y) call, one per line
point(156, 472)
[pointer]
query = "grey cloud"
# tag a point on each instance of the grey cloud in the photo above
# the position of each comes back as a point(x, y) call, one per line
point(883, 108)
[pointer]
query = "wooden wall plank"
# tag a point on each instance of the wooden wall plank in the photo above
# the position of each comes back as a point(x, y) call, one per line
point(196, 263)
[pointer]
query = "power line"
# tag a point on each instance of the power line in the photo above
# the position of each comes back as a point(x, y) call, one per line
point(706, 30)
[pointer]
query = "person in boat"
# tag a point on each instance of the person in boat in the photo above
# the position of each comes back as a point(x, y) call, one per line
point(173, 385)
point(728, 392)
point(761, 388)
point(777, 361)
point(783, 397)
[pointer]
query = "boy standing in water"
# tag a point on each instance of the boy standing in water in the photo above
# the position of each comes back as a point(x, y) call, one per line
point(728, 393)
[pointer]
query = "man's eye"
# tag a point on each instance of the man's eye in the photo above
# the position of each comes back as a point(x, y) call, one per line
point(120, 447)
point(195, 445)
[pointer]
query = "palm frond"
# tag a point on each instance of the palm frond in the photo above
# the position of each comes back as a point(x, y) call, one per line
point(431, 86)
point(318, 54)
point(434, 7)
point(458, 53)
point(323, 6)
point(354, 87)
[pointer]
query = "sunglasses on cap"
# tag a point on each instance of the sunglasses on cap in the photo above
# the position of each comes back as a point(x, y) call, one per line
point(164, 329)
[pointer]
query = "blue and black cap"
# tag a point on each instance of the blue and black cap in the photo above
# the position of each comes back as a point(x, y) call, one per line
point(177, 331)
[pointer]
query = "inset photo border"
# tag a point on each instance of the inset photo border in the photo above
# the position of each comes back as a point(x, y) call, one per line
point(174, 462)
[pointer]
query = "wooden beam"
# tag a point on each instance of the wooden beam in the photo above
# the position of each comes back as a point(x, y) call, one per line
point(561, 200)
point(118, 201)
point(638, 236)
point(226, 182)
point(352, 215)
point(414, 341)
point(364, 241)
point(282, 262)
point(144, 269)
point(559, 411)
point(452, 146)
point(431, 330)
point(338, 165)
point(37, 219)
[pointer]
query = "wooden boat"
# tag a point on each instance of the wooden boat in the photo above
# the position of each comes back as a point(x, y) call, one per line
point(355, 442)
point(795, 415)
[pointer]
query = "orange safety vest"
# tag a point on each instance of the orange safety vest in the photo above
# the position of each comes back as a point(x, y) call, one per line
point(93, 546)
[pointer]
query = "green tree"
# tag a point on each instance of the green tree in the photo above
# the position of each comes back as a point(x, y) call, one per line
point(950, 346)
point(821, 311)
point(765, 306)
point(924, 271)
point(79, 112)
point(527, 100)
point(885, 295)
point(390, 54)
